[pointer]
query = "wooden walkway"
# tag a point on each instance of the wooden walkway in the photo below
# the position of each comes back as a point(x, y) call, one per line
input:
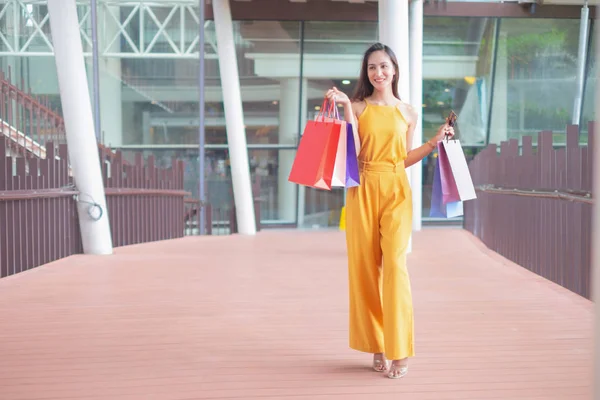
point(265, 317)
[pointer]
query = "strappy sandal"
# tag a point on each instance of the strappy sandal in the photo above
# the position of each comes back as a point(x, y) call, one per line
point(397, 371)
point(380, 365)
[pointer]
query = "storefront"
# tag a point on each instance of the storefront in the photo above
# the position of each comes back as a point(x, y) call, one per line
point(507, 69)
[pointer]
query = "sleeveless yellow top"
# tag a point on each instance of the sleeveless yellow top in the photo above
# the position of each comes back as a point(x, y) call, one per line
point(382, 131)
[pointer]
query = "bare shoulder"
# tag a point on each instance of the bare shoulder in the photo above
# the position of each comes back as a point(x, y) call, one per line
point(358, 107)
point(408, 111)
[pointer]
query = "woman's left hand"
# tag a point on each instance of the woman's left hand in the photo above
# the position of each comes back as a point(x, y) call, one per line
point(443, 131)
point(334, 94)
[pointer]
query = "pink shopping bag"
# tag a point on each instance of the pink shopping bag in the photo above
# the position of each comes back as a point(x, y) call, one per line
point(455, 168)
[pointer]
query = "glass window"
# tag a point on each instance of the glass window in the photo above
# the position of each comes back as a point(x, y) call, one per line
point(148, 74)
point(26, 56)
point(149, 87)
point(268, 56)
point(332, 57)
point(536, 75)
point(457, 60)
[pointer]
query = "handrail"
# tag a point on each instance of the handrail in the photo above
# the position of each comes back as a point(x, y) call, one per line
point(9, 195)
point(569, 195)
point(145, 192)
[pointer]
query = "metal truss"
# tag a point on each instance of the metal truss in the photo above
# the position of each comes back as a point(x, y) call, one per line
point(166, 29)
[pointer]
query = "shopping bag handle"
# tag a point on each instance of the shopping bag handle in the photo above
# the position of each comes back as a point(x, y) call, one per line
point(333, 110)
point(326, 110)
point(451, 121)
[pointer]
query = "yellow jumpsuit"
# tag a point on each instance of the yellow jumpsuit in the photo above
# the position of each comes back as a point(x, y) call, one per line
point(378, 227)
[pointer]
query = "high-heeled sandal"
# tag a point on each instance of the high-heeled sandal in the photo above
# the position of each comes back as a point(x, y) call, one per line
point(402, 369)
point(380, 365)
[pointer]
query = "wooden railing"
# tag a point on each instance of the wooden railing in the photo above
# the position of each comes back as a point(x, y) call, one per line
point(38, 197)
point(145, 203)
point(27, 121)
point(38, 200)
point(534, 207)
point(38, 216)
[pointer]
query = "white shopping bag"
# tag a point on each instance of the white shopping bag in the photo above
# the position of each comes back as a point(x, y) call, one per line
point(460, 169)
point(338, 178)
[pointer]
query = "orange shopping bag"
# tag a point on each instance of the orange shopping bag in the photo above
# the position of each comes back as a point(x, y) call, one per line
point(315, 159)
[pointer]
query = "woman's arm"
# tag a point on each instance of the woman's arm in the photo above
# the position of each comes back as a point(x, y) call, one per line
point(416, 155)
point(413, 156)
point(349, 116)
point(351, 113)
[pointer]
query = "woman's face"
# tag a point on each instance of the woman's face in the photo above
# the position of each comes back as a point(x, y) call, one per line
point(380, 70)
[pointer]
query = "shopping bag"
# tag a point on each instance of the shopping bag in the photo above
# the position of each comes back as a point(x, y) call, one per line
point(352, 172)
point(339, 170)
point(448, 185)
point(315, 158)
point(463, 188)
point(345, 171)
point(329, 113)
point(438, 208)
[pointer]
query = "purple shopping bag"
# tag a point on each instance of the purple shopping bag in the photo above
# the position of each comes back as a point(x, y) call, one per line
point(352, 174)
point(448, 184)
point(438, 207)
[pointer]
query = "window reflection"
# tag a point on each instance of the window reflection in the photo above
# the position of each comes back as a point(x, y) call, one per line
point(505, 78)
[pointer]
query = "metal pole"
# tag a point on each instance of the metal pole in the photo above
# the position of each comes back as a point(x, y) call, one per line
point(201, 130)
point(581, 58)
point(96, 71)
point(300, 191)
point(492, 80)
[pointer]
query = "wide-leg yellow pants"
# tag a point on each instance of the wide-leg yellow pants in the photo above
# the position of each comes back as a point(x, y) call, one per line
point(378, 228)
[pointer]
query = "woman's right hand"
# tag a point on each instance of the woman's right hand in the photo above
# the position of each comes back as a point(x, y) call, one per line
point(334, 94)
point(444, 131)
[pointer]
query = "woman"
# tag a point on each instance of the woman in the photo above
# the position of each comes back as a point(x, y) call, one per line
point(379, 213)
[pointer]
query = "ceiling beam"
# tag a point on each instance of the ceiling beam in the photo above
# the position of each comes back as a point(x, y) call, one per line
point(359, 10)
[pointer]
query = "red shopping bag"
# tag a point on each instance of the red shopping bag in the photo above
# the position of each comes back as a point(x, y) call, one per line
point(338, 178)
point(315, 159)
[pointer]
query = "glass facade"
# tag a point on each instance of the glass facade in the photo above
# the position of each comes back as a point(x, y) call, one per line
point(505, 78)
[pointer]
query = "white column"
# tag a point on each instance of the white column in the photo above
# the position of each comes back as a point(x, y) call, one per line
point(416, 100)
point(79, 124)
point(289, 108)
point(393, 32)
point(234, 118)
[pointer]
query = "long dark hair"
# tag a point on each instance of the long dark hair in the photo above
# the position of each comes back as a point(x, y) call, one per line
point(364, 88)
